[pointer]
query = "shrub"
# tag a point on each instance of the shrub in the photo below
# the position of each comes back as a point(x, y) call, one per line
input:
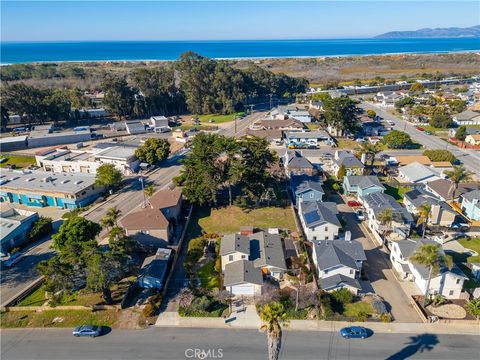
point(362, 316)
point(41, 228)
point(200, 304)
point(149, 310)
point(439, 300)
point(342, 296)
point(379, 306)
point(185, 298)
point(397, 140)
point(386, 317)
point(439, 155)
point(241, 202)
point(325, 306)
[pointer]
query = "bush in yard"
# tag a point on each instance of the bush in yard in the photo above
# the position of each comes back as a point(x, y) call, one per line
point(439, 300)
point(379, 306)
point(362, 316)
point(461, 133)
point(326, 310)
point(185, 298)
point(386, 317)
point(439, 155)
point(149, 310)
point(200, 303)
point(41, 228)
point(397, 140)
point(342, 296)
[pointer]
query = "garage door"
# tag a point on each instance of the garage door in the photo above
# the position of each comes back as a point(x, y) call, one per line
point(242, 290)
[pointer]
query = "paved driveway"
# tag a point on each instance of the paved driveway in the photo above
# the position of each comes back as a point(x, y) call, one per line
point(378, 268)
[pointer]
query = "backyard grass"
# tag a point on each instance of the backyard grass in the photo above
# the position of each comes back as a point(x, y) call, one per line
point(396, 192)
point(434, 130)
point(347, 144)
point(229, 219)
point(472, 244)
point(36, 298)
point(71, 318)
point(356, 308)
point(208, 277)
point(218, 118)
point(19, 161)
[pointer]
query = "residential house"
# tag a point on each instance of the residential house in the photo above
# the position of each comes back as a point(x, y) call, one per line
point(14, 119)
point(468, 131)
point(361, 185)
point(376, 203)
point(307, 139)
point(417, 173)
point(471, 205)
point(388, 98)
point(319, 220)
point(467, 117)
point(272, 135)
point(159, 124)
point(42, 189)
point(242, 278)
point(14, 225)
point(473, 139)
point(316, 104)
point(300, 115)
point(153, 272)
point(154, 225)
point(296, 164)
point(247, 257)
point(306, 188)
point(440, 212)
point(283, 125)
point(443, 189)
point(352, 165)
point(447, 282)
point(338, 264)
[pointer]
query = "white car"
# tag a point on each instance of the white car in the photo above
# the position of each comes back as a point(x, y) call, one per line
point(359, 214)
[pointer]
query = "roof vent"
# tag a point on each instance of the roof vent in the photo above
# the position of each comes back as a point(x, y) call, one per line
point(29, 179)
point(64, 181)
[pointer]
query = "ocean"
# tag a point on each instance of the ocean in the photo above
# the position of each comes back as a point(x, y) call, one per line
point(25, 52)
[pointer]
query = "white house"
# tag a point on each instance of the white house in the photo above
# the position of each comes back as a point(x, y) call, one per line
point(338, 264)
point(467, 117)
point(417, 173)
point(242, 278)
point(160, 124)
point(448, 283)
point(319, 220)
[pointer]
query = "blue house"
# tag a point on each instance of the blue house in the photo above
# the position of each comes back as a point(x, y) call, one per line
point(306, 188)
point(42, 189)
point(14, 227)
point(471, 205)
point(361, 185)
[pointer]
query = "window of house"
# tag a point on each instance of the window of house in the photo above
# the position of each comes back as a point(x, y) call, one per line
point(244, 256)
point(314, 238)
point(311, 195)
point(326, 228)
point(326, 272)
point(230, 257)
point(450, 292)
point(458, 281)
point(351, 271)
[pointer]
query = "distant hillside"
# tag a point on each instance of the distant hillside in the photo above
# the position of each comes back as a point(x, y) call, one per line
point(452, 32)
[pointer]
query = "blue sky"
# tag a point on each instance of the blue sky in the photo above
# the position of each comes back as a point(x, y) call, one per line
point(201, 20)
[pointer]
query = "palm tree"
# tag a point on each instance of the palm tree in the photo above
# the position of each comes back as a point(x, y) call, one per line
point(274, 317)
point(431, 256)
point(457, 175)
point(385, 217)
point(423, 216)
point(370, 150)
point(113, 213)
point(149, 190)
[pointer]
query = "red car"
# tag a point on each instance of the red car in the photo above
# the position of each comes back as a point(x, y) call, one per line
point(353, 203)
point(420, 129)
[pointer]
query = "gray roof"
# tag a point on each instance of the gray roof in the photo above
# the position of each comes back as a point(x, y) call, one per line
point(242, 271)
point(302, 183)
point(348, 160)
point(332, 253)
point(156, 265)
point(379, 201)
point(11, 219)
point(299, 162)
point(466, 115)
point(444, 187)
point(418, 197)
point(364, 181)
point(317, 213)
point(472, 195)
point(267, 250)
point(336, 281)
point(417, 172)
point(120, 152)
point(234, 242)
point(42, 181)
point(318, 134)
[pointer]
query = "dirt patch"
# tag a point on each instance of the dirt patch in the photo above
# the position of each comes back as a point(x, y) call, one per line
point(448, 311)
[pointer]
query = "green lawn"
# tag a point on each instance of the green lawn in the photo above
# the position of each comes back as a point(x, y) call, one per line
point(218, 118)
point(18, 161)
point(229, 219)
point(434, 130)
point(208, 277)
point(396, 192)
point(353, 309)
point(347, 144)
point(36, 298)
point(71, 318)
point(472, 244)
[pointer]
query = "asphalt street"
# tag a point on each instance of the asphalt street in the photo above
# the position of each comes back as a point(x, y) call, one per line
point(470, 157)
point(184, 343)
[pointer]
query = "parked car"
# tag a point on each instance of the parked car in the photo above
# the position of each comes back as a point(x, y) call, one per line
point(428, 133)
point(359, 214)
point(87, 330)
point(353, 203)
point(355, 332)
point(13, 259)
point(420, 129)
point(390, 122)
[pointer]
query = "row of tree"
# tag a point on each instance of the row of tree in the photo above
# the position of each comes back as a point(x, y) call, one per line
point(193, 82)
point(217, 161)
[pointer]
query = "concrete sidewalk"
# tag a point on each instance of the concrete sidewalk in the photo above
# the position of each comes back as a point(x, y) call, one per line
point(172, 319)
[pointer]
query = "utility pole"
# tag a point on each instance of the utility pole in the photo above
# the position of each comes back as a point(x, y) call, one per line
point(143, 192)
point(236, 117)
point(271, 103)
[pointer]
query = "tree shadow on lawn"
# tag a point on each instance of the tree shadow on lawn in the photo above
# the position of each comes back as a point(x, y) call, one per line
point(420, 343)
